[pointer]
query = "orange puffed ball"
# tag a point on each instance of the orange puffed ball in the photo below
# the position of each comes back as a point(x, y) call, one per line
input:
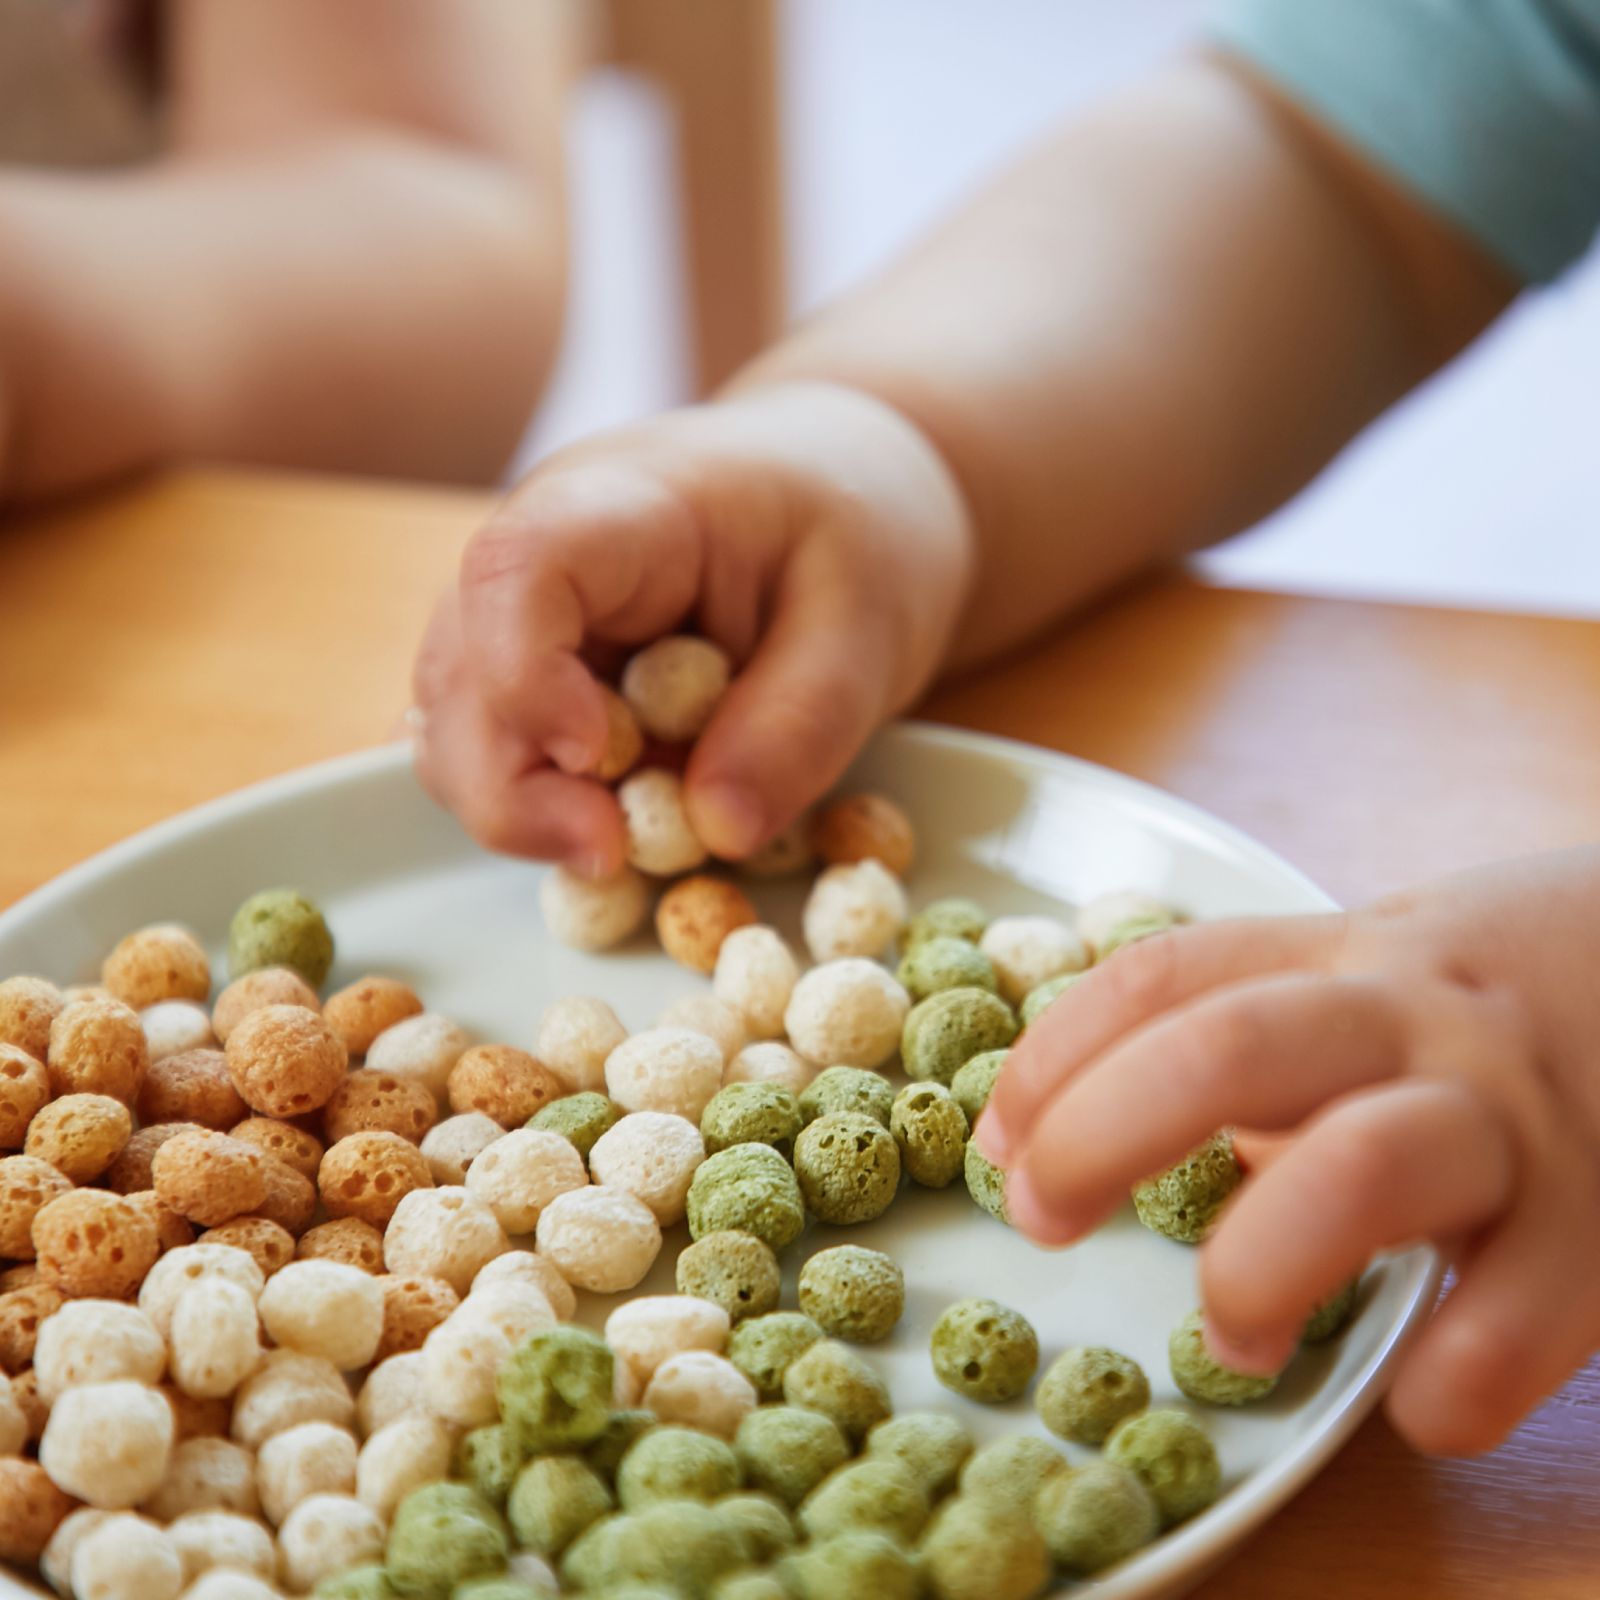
point(347, 1240)
point(624, 738)
point(134, 1169)
point(271, 1245)
point(93, 1243)
point(291, 1198)
point(271, 986)
point(369, 1101)
point(172, 1231)
point(285, 1061)
point(80, 1135)
point(97, 1046)
point(31, 1509)
point(194, 1417)
point(162, 962)
point(502, 1082)
point(209, 1177)
point(191, 1086)
point(27, 1008)
point(360, 1011)
point(27, 1185)
point(21, 1312)
point(865, 827)
point(368, 1174)
point(412, 1309)
point(24, 1088)
point(284, 1142)
point(696, 914)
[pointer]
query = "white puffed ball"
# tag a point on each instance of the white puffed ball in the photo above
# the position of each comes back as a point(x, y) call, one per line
point(705, 1013)
point(173, 1026)
point(421, 1049)
point(660, 840)
point(393, 1388)
point(182, 1268)
point(755, 974)
point(460, 1361)
point(1099, 918)
point(451, 1146)
point(96, 1341)
point(206, 1474)
point(289, 1388)
point(593, 913)
point(665, 1069)
point(312, 1458)
point(700, 1390)
point(522, 1172)
point(126, 1558)
point(56, 1560)
point(211, 1539)
point(1028, 951)
point(401, 1456)
point(856, 909)
point(222, 1583)
point(444, 1233)
point(516, 1309)
point(527, 1266)
point(655, 1327)
point(326, 1534)
point(673, 686)
point(13, 1421)
point(653, 1155)
point(847, 1014)
point(108, 1443)
point(600, 1239)
point(575, 1036)
point(325, 1308)
point(216, 1338)
point(770, 1062)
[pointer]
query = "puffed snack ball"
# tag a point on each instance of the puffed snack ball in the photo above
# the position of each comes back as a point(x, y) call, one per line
point(223, 1583)
point(696, 914)
point(665, 1069)
point(443, 1233)
point(522, 1172)
point(285, 1061)
point(852, 1293)
point(1200, 1376)
point(831, 1378)
point(223, 1541)
point(880, 1494)
point(423, 1049)
point(984, 1350)
point(979, 1551)
point(848, 1167)
point(937, 964)
point(451, 1146)
point(1095, 1516)
point(700, 1389)
point(755, 973)
point(27, 1186)
point(661, 840)
point(13, 1420)
point(1184, 1201)
point(96, 1341)
point(55, 1562)
point(394, 1388)
point(21, 1313)
point(575, 1036)
point(191, 1086)
point(865, 827)
point(161, 962)
point(371, 1175)
point(945, 1031)
point(673, 1463)
point(412, 1308)
point(80, 1135)
point(206, 1474)
point(172, 1027)
point(347, 1240)
point(600, 1239)
point(868, 1094)
point(593, 913)
point(369, 1101)
point(31, 1509)
point(362, 1010)
point(181, 1269)
point(289, 1388)
point(646, 1331)
point(91, 1243)
point(733, 1270)
point(107, 1444)
point(652, 1155)
point(750, 1188)
point(556, 1390)
point(931, 1130)
point(280, 928)
point(309, 1458)
point(460, 1359)
point(764, 1348)
point(1100, 918)
point(704, 1013)
point(443, 1535)
point(931, 1445)
point(624, 739)
point(271, 986)
point(282, 1141)
point(768, 1061)
point(673, 686)
point(502, 1082)
point(527, 1266)
point(97, 1047)
point(1086, 1391)
point(853, 910)
point(28, 1006)
point(126, 1558)
point(401, 1456)
point(751, 1113)
point(1028, 951)
point(325, 1534)
point(847, 1013)
point(209, 1177)
point(24, 1088)
point(323, 1308)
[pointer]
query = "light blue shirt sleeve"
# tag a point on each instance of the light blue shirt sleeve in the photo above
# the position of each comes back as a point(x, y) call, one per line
point(1488, 110)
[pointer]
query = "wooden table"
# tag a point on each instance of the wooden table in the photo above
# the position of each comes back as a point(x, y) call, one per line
point(179, 639)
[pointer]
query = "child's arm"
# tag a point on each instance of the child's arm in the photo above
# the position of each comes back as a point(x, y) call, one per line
point(352, 255)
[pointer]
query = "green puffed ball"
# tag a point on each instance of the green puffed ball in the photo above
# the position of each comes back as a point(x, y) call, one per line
point(622, 1429)
point(954, 918)
point(945, 1031)
point(762, 1526)
point(1087, 1391)
point(751, 1113)
point(848, 1167)
point(978, 1550)
point(1173, 1456)
point(878, 1494)
point(748, 1188)
point(849, 1566)
point(1038, 1000)
point(1095, 1516)
point(750, 1586)
point(853, 1293)
point(733, 1270)
point(984, 1350)
point(930, 1445)
point(1010, 1472)
point(553, 1500)
point(680, 1545)
point(847, 1089)
point(1332, 1315)
point(280, 928)
point(489, 1460)
point(356, 1583)
point(764, 1348)
point(555, 1390)
point(671, 1463)
point(1201, 1378)
point(974, 1083)
point(986, 1183)
point(945, 963)
point(1131, 932)
point(831, 1378)
point(931, 1131)
point(442, 1535)
point(497, 1589)
point(578, 1118)
point(1183, 1202)
point(787, 1450)
point(635, 1591)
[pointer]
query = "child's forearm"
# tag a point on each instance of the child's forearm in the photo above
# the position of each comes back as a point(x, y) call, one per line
point(1150, 333)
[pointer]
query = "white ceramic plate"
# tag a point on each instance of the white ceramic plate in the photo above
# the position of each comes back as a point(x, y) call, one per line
point(1019, 829)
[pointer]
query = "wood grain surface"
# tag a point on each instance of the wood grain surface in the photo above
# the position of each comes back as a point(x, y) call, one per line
point(180, 638)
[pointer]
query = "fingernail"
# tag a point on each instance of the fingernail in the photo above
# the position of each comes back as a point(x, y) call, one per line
point(990, 1138)
point(728, 817)
point(1249, 1355)
point(1027, 1211)
point(571, 755)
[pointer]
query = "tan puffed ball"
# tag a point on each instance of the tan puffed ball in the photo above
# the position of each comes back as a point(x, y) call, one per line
point(206, 1474)
point(223, 1541)
point(291, 1198)
point(660, 839)
point(624, 740)
point(362, 1010)
point(80, 1135)
point(285, 1061)
point(443, 1233)
point(180, 1270)
point(282, 1141)
point(270, 1245)
point(56, 1560)
point(368, 1175)
point(401, 1456)
point(502, 1082)
point(72, 993)
point(27, 1008)
point(697, 1389)
point(767, 1061)
point(847, 1013)
point(192, 1086)
point(27, 1186)
point(378, 1102)
point(21, 1313)
point(270, 986)
point(593, 913)
point(194, 1418)
point(174, 1026)
point(347, 1240)
point(107, 1444)
point(172, 1231)
point(600, 1239)
point(24, 1088)
point(215, 1338)
point(454, 1144)
point(209, 1177)
point(673, 686)
point(652, 1155)
point(755, 974)
point(574, 1038)
point(126, 1558)
point(865, 827)
point(97, 1047)
point(646, 1331)
point(528, 1266)
point(161, 962)
point(289, 1388)
point(412, 1308)
point(326, 1534)
point(324, 1308)
point(521, 1173)
point(31, 1509)
point(421, 1049)
point(133, 1169)
point(785, 854)
point(853, 910)
point(393, 1389)
point(90, 1242)
point(705, 1013)
point(96, 1341)
point(20, 1275)
point(665, 1069)
point(13, 1421)
point(311, 1458)
point(1028, 951)
point(35, 1410)
point(696, 914)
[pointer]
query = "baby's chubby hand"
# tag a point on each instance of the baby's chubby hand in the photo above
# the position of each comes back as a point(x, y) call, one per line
point(808, 529)
point(1435, 1061)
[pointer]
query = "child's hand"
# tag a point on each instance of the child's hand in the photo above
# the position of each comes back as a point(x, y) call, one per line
point(808, 529)
point(1438, 1060)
